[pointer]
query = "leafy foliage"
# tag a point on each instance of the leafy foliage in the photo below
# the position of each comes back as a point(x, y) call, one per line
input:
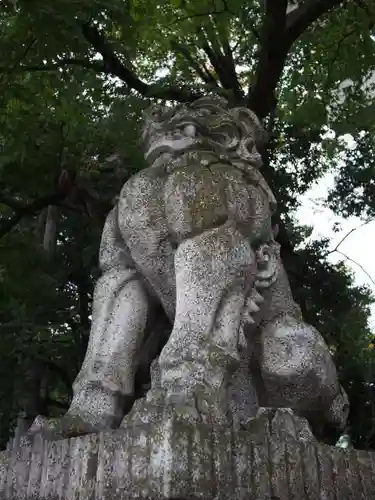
point(75, 77)
point(354, 192)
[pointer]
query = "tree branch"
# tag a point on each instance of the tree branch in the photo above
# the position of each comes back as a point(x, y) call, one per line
point(197, 14)
point(114, 66)
point(336, 249)
point(273, 53)
point(24, 53)
point(300, 19)
point(29, 210)
point(279, 32)
point(203, 73)
point(227, 74)
point(347, 235)
point(11, 203)
point(97, 67)
point(111, 61)
point(357, 264)
point(228, 62)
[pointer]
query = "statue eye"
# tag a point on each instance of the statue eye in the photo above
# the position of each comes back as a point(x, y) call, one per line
point(190, 130)
point(156, 112)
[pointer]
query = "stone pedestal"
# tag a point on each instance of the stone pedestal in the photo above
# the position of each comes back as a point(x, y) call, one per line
point(274, 457)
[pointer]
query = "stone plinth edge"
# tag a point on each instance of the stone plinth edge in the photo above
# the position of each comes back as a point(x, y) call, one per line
point(273, 457)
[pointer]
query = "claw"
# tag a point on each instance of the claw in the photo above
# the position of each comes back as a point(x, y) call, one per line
point(241, 338)
point(256, 296)
point(247, 317)
point(251, 306)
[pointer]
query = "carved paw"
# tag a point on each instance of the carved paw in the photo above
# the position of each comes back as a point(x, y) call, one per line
point(189, 406)
point(339, 410)
point(65, 427)
point(282, 423)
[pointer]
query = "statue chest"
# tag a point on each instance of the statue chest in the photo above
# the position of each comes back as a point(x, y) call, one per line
point(200, 197)
point(156, 205)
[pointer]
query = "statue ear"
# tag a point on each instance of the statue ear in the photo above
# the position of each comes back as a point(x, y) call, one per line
point(275, 230)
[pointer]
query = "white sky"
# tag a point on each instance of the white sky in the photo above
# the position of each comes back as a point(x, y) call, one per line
point(359, 245)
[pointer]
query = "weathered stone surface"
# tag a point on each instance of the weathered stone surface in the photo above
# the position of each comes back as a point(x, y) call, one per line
point(346, 475)
point(4, 466)
point(298, 370)
point(273, 457)
point(114, 478)
point(366, 472)
point(83, 467)
point(19, 469)
point(39, 451)
point(325, 473)
point(55, 470)
point(261, 463)
point(310, 471)
point(192, 234)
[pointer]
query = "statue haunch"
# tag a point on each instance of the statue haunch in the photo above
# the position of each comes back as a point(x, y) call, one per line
point(193, 233)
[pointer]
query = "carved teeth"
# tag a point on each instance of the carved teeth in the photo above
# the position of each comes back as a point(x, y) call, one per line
point(256, 297)
point(241, 338)
point(247, 317)
point(252, 307)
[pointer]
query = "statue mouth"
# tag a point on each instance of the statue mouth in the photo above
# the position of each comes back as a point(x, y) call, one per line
point(170, 145)
point(268, 259)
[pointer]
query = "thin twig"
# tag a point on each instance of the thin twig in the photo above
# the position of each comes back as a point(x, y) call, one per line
point(24, 53)
point(357, 264)
point(98, 67)
point(198, 14)
point(347, 235)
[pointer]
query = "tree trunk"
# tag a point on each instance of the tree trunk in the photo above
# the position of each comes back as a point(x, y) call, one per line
point(50, 231)
point(32, 402)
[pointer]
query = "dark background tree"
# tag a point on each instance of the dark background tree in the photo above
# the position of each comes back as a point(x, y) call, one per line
point(75, 77)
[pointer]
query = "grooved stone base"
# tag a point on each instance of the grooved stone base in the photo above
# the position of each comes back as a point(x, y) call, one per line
point(275, 457)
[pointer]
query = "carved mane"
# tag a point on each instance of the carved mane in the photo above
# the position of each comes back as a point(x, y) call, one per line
point(208, 123)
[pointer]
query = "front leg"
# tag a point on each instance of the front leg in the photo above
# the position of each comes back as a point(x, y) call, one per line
point(121, 307)
point(214, 274)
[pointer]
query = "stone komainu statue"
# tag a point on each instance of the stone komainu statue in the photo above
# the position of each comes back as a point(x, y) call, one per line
point(193, 233)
